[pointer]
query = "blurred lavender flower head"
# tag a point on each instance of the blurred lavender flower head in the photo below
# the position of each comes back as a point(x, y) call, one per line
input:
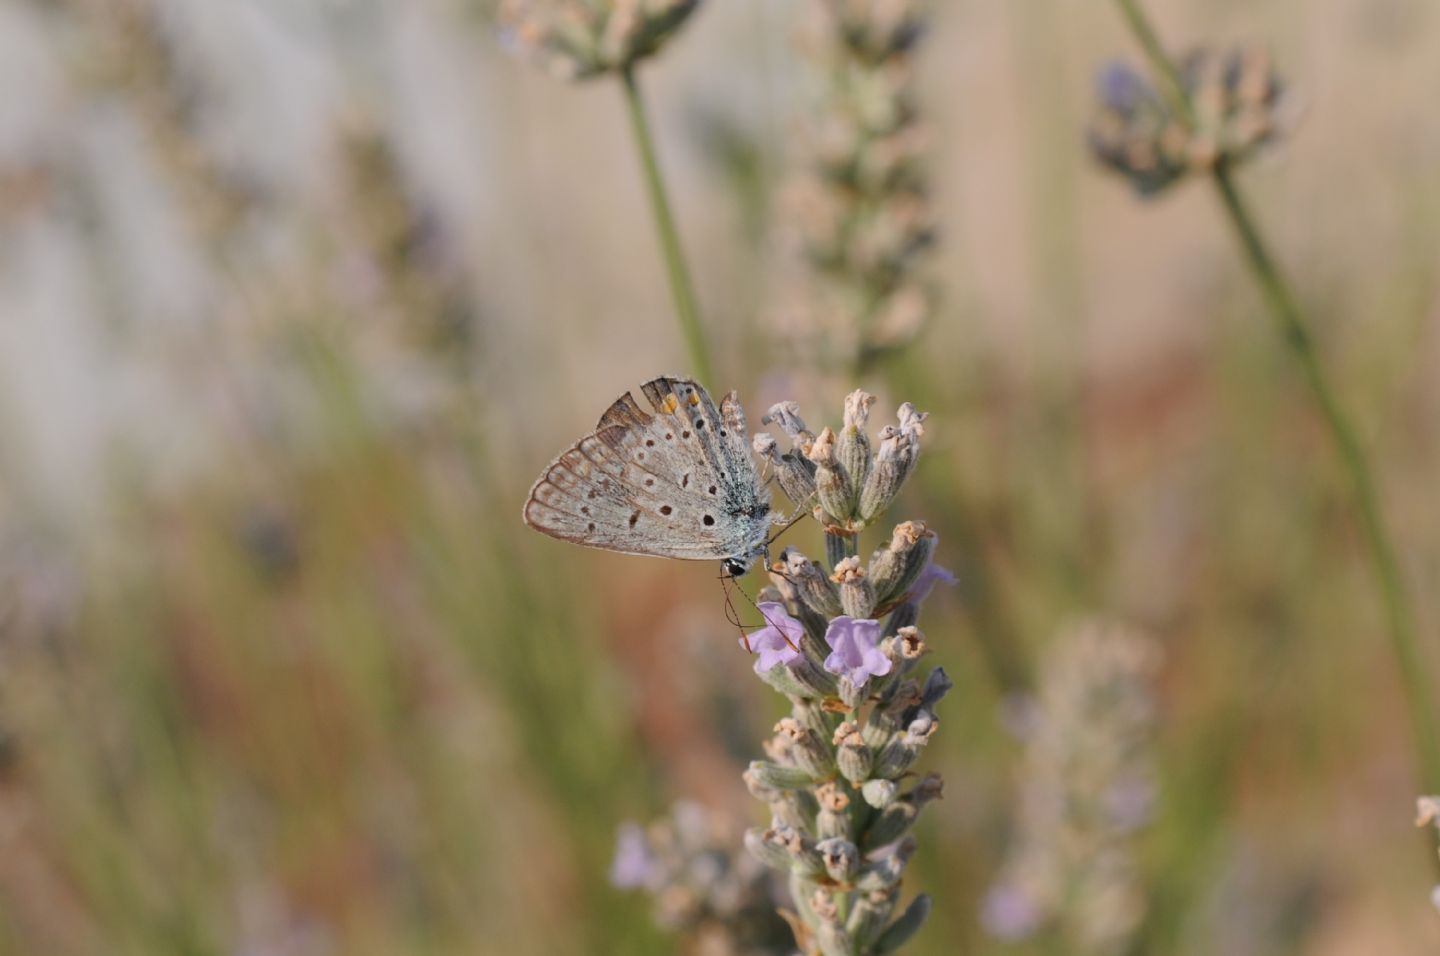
point(1086, 789)
point(703, 885)
point(778, 641)
point(855, 653)
point(860, 207)
point(1236, 105)
point(579, 39)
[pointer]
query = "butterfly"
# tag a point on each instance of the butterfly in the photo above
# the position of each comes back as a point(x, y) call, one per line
point(678, 483)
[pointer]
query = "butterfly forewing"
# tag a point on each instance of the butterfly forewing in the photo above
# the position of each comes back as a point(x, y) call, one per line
point(677, 483)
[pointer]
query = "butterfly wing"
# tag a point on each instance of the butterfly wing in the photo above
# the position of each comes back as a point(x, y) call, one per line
point(678, 483)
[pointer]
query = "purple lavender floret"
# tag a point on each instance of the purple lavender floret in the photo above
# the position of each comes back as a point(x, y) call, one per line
point(854, 650)
point(777, 642)
point(932, 575)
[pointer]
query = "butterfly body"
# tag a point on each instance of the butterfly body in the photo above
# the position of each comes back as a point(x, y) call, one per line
point(677, 481)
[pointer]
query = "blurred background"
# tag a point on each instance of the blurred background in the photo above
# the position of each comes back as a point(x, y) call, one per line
point(298, 296)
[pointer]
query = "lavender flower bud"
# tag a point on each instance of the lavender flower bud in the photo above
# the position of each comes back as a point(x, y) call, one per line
point(869, 916)
point(833, 939)
point(852, 446)
point(815, 682)
point(768, 847)
point(758, 789)
point(833, 819)
point(931, 787)
point(833, 487)
point(857, 596)
point(815, 589)
point(892, 823)
point(885, 871)
point(842, 858)
point(879, 793)
point(815, 624)
point(895, 567)
point(812, 716)
point(787, 416)
point(795, 472)
point(904, 650)
point(888, 717)
point(912, 422)
point(937, 685)
point(851, 755)
point(773, 776)
point(852, 695)
point(903, 749)
point(804, 859)
point(794, 808)
point(899, 447)
point(903, 929)
point(837, 541)
point(880, 874)
point(820, 903)
point(783, 678)
point(803, 748)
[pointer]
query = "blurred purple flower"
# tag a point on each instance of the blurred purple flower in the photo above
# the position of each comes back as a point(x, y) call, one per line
point(1009, 914)
point(634, 866)
point(1120, 87)
point(854, 652)
point(777, 641)
point(932, 575)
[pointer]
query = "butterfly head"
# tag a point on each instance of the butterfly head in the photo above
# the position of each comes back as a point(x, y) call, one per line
point(735, 567)
point(739, 565)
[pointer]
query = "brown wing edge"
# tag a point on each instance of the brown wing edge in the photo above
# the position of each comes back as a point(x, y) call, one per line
point(624, 412)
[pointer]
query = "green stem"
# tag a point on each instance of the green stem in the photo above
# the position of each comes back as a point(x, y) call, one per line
point(1159, 60)
point(682, 290)
point(1399, 615)
point(1285, 309)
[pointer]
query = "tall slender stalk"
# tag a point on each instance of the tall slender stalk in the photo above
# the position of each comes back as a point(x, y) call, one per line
point(1290, 319)
point(682, 290)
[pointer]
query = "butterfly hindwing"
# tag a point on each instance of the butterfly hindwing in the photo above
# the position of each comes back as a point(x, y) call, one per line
point(677, 483)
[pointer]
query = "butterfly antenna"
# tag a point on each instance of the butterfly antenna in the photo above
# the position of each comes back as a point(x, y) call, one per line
point(733, 616)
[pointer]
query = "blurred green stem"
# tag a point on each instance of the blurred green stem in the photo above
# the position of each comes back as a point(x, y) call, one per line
point(681, 288)
point(1399, 613)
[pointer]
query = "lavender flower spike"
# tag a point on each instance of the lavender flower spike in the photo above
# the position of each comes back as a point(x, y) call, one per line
point(855, 653)
point(777, 642)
